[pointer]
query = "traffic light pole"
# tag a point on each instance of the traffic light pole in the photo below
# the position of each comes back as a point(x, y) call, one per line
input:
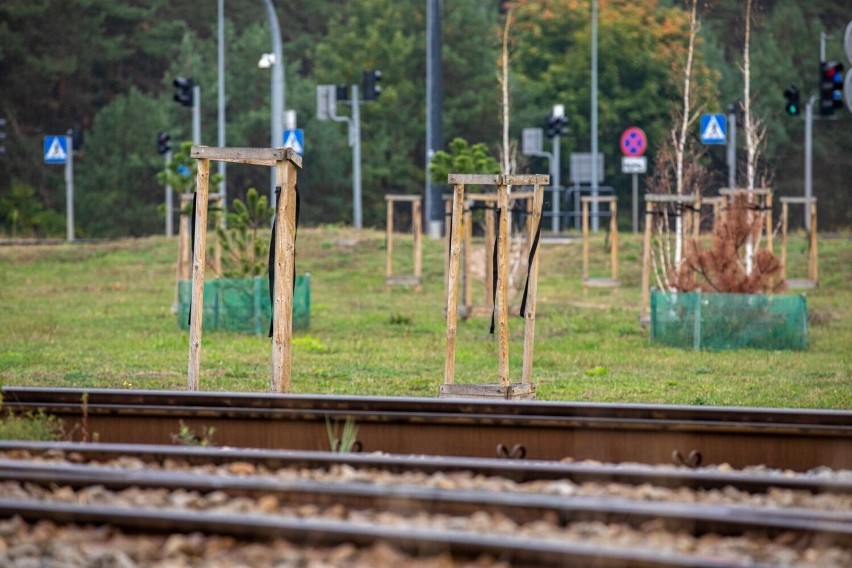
point(196, 115)
point(809, 138)
point(555, 184)
point(354, 132)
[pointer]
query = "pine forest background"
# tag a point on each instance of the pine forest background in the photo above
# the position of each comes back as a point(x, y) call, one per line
point(107, 67)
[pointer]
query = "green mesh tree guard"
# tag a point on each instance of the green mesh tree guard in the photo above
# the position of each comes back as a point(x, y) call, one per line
point(718, 322)
point(242, 304)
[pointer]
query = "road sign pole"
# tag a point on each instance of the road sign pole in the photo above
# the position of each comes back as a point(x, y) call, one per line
point(732, 148)
point(355, 141)
point(635, 203)
point(69, 189)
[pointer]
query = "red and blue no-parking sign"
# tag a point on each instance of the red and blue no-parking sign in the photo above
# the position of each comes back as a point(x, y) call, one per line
point(634, 142)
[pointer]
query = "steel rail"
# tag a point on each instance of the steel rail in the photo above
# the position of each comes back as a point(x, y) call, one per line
point(519, 471)
point(519, 550)
point(778, 438)
point(831, 527)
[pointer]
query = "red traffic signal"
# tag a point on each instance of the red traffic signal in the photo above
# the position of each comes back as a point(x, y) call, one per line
point(830, 86)
point(163, 142)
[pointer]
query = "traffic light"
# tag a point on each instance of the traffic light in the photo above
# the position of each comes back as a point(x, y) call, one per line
point(163, 142)
point(557, 126)
point(2, 136)
point(76, 137)
point(372, 89)
point(793, 107)
point(830, 86)
point(341, 93)
point(184, 86)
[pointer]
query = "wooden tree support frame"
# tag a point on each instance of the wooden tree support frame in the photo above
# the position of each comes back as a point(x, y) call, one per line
point(468, 308)
point(762, 198)
point(184, 266)
point(504, 388)
point(659, 204)
point(810, 204)
point(416, 202)
point(286, 162)
point(612, 281)
point(717, 203)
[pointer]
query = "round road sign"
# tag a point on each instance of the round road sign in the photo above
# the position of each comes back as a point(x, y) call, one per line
point(633, 142)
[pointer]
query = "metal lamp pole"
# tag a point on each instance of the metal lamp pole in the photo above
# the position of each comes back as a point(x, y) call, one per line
point(277, 102)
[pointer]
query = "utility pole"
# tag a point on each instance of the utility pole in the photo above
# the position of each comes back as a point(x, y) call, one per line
point(433, 211)
point(277, 100)
point(594, 121)
point(221, 106)
point(196, 114)
point(355, 142)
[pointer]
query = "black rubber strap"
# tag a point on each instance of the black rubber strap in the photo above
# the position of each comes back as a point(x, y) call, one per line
point(271, 270)
point(272, 255)
point(530, 260)
point(192, 250)
point(494, 273)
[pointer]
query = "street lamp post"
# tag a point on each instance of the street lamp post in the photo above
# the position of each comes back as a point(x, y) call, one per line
point(277, 101)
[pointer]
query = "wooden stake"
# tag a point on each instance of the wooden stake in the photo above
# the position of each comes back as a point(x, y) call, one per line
point(785, 211)
point(585, 222)
point(489, 260)
point(613, 238)
point(416, 219)
point(389, 241)
point(813, 264)
point(285, 256)
point(454, 234)
point(467, 232)
point(202, 190)
point(532, 291)
point(768, 213)
point(503, 284)
point(646, 262)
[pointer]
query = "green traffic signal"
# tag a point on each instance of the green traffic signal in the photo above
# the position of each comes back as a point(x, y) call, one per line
point(792, 95)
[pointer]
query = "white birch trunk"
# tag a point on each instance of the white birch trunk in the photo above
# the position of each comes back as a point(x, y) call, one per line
point(680, 141)
point(748, 130)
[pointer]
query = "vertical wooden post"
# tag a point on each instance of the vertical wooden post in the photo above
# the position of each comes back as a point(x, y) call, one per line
point(646, 261)
point(613, 239)
point(202, 190)
point(467, 235)
point(785, 211)
point(285, 252)
point(813, 255)
point(417, 221)
point(529, 314)
point(389, 241)
point(448, 237)
point(454, 236)
point(489, 259)
point(502, 283)
point(585, 224)
point(768, 213)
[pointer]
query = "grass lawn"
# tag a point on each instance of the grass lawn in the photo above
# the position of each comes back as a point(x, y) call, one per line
point(99, 315)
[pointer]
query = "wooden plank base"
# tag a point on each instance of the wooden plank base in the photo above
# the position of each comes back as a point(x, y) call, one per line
point(403, 281)
point(601, 283)
point(801, 284)
point(515, 391)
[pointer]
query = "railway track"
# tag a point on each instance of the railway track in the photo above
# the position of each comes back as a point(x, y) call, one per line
point(490, 511)
point(798, 440)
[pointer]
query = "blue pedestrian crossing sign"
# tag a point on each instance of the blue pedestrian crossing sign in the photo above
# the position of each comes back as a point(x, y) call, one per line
point(295, 139)
point(713, 129)
point(55, 149)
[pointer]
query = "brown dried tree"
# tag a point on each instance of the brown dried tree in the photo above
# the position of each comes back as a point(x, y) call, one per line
point(722, 268)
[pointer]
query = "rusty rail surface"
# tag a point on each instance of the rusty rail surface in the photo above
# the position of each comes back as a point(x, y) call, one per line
point(778, 438)
point(519, 471)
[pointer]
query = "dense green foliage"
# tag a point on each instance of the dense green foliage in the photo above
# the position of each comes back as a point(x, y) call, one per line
point(107, 67)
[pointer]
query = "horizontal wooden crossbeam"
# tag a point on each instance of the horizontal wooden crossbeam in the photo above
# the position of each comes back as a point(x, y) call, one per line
point(499, 179)
point(254, 156)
